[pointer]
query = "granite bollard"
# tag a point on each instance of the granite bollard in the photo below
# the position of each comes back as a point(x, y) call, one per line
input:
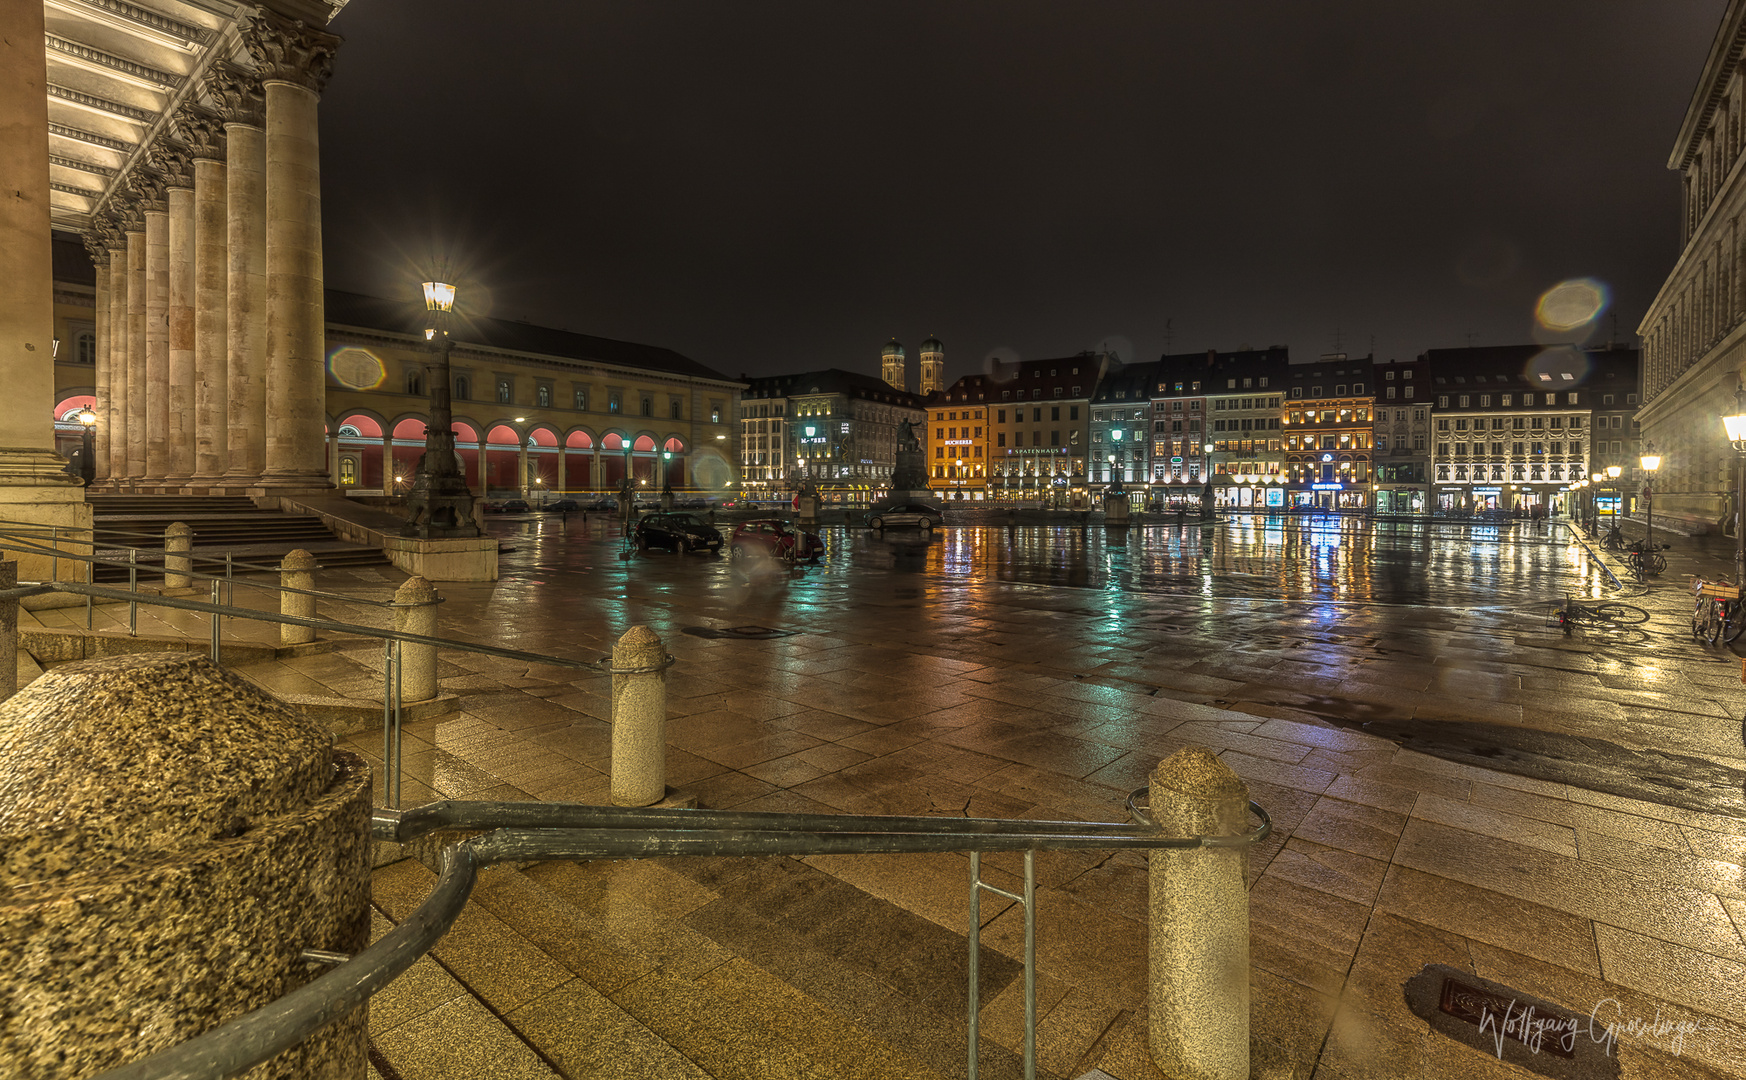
point(1198, 930)
point(639, 719)
point(297, 571)
point(171, 840)
point(178, 560)
point(415, 613)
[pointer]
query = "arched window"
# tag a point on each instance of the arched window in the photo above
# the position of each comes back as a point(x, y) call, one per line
point(415, 383)
point(543, 397)
point(678, 409)
point(463, 388)
point(504, 394)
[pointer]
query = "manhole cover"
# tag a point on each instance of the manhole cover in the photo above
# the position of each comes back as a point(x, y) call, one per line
point(1512, 1026)
point(743, 633)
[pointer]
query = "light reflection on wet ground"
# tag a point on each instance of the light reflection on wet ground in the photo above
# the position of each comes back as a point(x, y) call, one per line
point(1326, 559)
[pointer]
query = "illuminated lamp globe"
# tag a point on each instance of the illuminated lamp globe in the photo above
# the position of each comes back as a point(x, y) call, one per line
point(439, 296)
point(1736, 426)
point(1650, 462)
point(87, 417)
point(1613, 471)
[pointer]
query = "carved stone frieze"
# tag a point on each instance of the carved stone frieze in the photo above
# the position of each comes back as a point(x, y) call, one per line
point(236, 95)
point(289, 50)
point(203, 131)
point(107, 228)
point(96, 244)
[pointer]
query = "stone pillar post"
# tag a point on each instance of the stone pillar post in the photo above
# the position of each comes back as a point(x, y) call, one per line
point(563, 470)
point(178, 542)
point(415, 613)
point(297, 571)
point(136, 354)
point(211, 285)
point(238, 97)
point(1198, 997)
point(388, 463)
point(295, 60)
point(157, 335)
point(179, 429)
point(189, 837)
point(112, 410)
point(99, 465)
point(639, 719)
point(521, 466)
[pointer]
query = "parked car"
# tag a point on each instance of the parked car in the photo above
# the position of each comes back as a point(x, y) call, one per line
point(775, 538)
point(677, 532)
point(603, 503)
point(562, 505)
point(905, 515)
point(513, 506)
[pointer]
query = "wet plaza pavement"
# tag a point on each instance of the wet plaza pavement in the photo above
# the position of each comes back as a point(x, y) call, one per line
point(1559, 815)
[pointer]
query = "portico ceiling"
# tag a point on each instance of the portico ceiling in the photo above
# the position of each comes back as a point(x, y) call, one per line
point(117, 70)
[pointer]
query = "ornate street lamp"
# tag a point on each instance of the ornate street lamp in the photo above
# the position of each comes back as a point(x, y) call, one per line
point(87, 447)
point(1650, 462)
point(1613, 472)
point(440, 504)
point(1117, 463)
point(1206, 492)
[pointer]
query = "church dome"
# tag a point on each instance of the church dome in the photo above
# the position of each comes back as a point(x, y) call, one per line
point(933, 344)
point(892, 348)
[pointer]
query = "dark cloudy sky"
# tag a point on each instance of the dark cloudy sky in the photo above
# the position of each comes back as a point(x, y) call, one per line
point(774, 187)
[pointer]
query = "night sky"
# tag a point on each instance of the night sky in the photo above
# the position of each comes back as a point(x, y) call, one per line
point(772, 187)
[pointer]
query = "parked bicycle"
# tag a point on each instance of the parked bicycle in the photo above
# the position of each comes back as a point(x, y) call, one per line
point(1645, 562)
point(1613, 539)
point(1606, 615)
point(1717, 612)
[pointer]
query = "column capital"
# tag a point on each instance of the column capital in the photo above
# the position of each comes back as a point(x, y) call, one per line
point(236, 95)
point(289, 50)
point(98, 241)
point(203, 130)
point(147, 185)
point(174, 162)
point(107, 229)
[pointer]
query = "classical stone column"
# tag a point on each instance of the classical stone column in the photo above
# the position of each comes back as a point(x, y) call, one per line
point(179, 377)
point(136, 351)
point(388, 463)
point(295, 60)
point(97, 246)
point(205, 135)
point(157, 338)
point(34, 486)
point(112, 409)
point(238, 97)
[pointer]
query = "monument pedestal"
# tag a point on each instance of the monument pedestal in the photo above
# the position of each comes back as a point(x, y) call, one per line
point(1115, 510)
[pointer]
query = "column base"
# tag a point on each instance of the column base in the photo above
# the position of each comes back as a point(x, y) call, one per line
point(30, 497)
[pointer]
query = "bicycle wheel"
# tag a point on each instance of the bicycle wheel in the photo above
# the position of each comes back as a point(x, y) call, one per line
point(1621, 614)
point(1711, 629)
point(1733, 620)
point(1657, 564)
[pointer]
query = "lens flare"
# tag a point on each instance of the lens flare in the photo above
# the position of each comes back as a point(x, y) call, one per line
point(356, 368)
point(1571, 305)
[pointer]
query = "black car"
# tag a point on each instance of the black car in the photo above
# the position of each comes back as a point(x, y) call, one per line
point(561, 505)
point(905, 514)
point(679, 532)
point(513, 506)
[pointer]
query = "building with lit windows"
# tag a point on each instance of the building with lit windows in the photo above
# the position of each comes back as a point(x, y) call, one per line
point(1122, 430)
point(1041, 414)
point(841, 431)
point(1694, 332)
point(765, 452)
point(1245, 393)
point(1403, 437)
point(957, 446)
point(1328, 433)
point(1512, 424)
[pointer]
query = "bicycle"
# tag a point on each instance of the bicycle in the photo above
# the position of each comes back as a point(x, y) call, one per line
point(1645, 562)
point(1613, 539)
point(1718, 614)
point(1606, 615)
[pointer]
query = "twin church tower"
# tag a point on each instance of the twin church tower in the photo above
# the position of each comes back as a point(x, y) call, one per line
point(892, 363)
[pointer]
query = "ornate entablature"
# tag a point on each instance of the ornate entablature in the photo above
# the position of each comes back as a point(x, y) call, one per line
point(124, 76)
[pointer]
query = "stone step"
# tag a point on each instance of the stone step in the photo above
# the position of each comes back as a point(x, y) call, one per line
point(687, 968)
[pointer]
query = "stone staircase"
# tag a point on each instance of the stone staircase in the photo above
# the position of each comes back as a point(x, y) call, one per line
point(221, 524)
point(760, 969)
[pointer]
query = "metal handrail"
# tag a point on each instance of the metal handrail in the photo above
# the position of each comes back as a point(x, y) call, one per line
point(557, 831)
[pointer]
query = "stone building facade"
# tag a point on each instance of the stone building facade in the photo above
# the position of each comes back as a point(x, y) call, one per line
point(1403, 436)
point(1328, 433)
point(1245, 395)
point(1042, 415)
point(839, 430)
point(1694, 332)
point(957, 443)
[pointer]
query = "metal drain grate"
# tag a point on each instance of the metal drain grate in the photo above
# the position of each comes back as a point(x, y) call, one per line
point(742, 633)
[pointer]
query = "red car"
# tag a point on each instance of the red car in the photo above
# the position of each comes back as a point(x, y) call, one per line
point(776, 539)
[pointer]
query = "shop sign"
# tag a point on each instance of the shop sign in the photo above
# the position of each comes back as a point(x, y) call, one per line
point(1327, 487)
point(956, 442)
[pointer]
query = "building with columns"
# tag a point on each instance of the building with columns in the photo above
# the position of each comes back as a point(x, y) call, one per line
point(536, 411)
point(183, 146)
point(1694, 332)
